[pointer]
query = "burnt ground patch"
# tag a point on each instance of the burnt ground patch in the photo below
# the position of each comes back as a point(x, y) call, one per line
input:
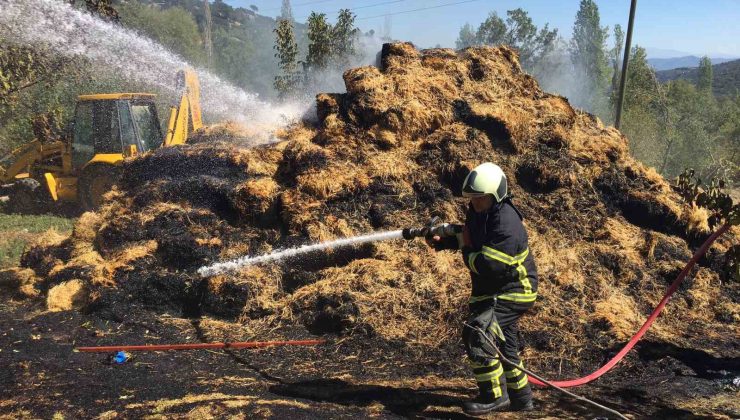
point(356, 376)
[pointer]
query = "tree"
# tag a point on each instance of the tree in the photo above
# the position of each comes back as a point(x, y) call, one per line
point(20, 68)
point(518, 31)
point(320, 42)
point(466, 38)
point(233, 56)
point(286, 12)
point(287, 51)
point(101, 8)
point(207, 38)
point(648, 120)
point(174, 28)
point(617, 57)
point(491, 31)
point(704, 82)
point(587, 50)
point(344, 37)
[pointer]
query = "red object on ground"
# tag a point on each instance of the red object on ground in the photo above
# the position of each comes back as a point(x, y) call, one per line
point(194, 346)
point(674, 286)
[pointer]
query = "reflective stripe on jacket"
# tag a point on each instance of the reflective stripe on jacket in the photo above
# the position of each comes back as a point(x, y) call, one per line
point(499, 259)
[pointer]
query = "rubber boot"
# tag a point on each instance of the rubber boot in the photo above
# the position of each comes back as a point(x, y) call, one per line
point(521, 399)
point(485, 403)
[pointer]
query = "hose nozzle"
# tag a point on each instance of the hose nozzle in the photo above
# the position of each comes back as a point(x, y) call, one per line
point(432, 229)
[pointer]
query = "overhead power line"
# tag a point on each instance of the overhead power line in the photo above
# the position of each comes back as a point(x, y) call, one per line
point(417, 10)
point(299, 4)
point(360, 7)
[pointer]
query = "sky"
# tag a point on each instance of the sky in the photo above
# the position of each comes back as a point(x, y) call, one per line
point(668, 28)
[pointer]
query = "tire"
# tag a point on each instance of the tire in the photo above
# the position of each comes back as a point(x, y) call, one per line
point(94, 182)
point(28, 196)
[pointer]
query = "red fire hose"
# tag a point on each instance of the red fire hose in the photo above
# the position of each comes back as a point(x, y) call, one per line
point(236, 345)
point(602, 370)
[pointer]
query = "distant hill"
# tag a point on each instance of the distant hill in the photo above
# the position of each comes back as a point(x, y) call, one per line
point(726, 79)
point(679, 62)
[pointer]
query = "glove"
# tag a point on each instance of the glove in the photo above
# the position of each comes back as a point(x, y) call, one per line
point(463, 238)
point(432, 240)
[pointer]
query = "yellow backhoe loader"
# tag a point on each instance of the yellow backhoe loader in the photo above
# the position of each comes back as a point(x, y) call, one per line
point(85, 163)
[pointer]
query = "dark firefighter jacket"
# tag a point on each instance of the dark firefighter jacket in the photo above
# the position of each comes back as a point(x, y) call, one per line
point(499, 259)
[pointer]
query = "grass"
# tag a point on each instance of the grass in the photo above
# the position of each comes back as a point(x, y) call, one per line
point(17, 231)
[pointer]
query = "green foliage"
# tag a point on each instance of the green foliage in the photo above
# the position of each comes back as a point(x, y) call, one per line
point(677, 125)
point(518, 31)
point(330, 47)
point(320, 42)
point(233, 56)
point(588, 54)
point(20, 67)
point(617, 60)
point(174, 28)
point(722, 210)
point(705, 75)
point(712, 197)
point(725, 77)
point(344, 38)
point(287, 51)
point(101, 8)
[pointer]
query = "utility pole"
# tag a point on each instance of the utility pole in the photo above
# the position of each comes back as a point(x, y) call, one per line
point(625, 63)
point(207, 34)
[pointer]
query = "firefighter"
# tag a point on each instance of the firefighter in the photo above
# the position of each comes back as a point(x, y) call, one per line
point(495, 249)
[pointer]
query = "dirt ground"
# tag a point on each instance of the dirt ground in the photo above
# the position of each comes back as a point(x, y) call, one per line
point(346, 377)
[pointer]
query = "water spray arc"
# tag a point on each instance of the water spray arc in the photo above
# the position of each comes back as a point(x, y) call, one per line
point(432, 229)
point(224, 267)
point(61, 29)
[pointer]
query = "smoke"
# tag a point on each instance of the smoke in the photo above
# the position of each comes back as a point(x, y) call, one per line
point(331, 79)
point(57, 27)
point(557, 74)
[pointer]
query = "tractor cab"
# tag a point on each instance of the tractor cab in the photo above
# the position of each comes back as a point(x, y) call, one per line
point(114, 124)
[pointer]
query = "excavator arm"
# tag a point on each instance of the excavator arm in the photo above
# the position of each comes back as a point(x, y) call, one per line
point(14, 164)
point(187, 112)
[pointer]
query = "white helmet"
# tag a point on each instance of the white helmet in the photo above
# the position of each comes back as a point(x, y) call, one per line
point(486, 178)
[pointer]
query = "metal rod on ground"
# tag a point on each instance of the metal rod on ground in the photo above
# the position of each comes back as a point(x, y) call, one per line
point(545, 381)
point(195, 346)
point(625, 63)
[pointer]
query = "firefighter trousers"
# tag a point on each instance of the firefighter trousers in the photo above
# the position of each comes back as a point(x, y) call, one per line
point(497, 319)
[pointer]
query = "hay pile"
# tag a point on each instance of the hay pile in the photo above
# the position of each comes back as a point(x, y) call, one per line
point(607, 233)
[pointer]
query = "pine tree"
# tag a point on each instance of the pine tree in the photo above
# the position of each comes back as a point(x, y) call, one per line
point(287, 51)
point(286, 12)
point(587, 51)
point(704, 83)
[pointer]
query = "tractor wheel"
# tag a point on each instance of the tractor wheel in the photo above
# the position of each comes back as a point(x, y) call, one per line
point(28, 196)
point(95, 181)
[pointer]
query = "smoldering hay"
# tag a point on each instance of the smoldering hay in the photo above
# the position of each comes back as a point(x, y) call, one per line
point(608, 234)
